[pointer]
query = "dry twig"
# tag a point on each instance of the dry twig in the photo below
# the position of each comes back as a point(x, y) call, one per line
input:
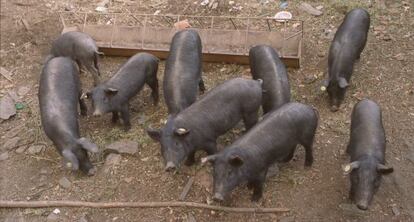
point(43, 204)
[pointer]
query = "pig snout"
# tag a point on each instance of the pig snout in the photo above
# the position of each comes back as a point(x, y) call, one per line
point(170, 166)
point(218, 197)
point(97, 113)
point(362, 205)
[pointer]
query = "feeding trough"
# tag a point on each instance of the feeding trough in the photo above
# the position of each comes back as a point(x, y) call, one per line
point(224, 39)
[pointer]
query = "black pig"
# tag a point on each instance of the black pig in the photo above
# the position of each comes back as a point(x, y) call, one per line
point(346, 48)
point(81, 48)
point(199, 126)
point(59, 94)
point(274, 139)
point(182, 76)
point(265, 64)
point(367, 150)
point(114, 94)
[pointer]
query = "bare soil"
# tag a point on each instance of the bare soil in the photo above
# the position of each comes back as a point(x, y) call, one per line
point(385, 74)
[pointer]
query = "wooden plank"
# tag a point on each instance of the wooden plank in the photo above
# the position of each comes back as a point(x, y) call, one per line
point(291, 62)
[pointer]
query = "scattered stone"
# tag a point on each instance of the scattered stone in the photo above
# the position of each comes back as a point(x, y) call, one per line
point(287, 219)
point(23, 90)
point(191, 218)
point(35, 149)
point(52, 217)
point(21, 149)
point(351, 210)
point(123, 146)
point(7, 108)
point(310, 79)
point(65, 183)
point(4, 156)
point(395, 210)
point(11, 143)
point(310, 9)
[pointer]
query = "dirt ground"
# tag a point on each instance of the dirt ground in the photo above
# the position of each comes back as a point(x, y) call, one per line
point(385, 74)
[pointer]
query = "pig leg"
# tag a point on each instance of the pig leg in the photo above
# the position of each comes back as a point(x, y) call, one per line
point(290, 156)
point(115, 117)
point(308, 154)
point(125, 117)
point(211, 147)
point(250, 119)
point(82, 105)
point(257, 185)
point(153, 84)
point(190, 159)
point(201, 86)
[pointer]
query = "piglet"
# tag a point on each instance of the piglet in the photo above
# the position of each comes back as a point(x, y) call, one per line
point(272, 140)
point(367, 150)
point(81, 48)
point(59, 95)
point(346, 48)
point(199, 126)
point(114, 94)
point(265, 64)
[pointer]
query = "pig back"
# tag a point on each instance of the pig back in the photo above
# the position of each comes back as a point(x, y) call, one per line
point(58, 97)
point(182, 71)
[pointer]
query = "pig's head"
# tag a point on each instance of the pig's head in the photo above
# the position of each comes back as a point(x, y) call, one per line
point(76, 156)
point(336, 91)
point(102, 98)
point(175, 143)
point(365, 180)
point(228, 172)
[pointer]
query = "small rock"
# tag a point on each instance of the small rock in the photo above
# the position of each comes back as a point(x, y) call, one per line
point(102, 9)
point(310, 79)
point(34, 149)
point(310, 9)
point(65, 183)
point(44, 171)
point(23, 90)
point(395, 210)
point(319, 7)
point(11, 143)
point(52, 217)
point(123, 146)
point(287, 219)
point(21, 149)
point(4, 156)
point(7, 108)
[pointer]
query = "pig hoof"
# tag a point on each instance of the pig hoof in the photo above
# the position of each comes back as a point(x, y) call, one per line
point(334, 108)
point(189, 162)
point(127, 128)
point(92, 171)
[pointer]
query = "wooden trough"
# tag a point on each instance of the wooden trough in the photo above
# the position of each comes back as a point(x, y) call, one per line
point(224, 39)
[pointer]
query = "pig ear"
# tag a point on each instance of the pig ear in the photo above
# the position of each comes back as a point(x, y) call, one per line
point(111, 91)
point(181, 131)
point(384, 169)
point(71, 161)
point(210, 159)
point(235, 160)
point(324, 84)
point(342, 82)
point(154, 134)
point(88, 145)
point(351, 166)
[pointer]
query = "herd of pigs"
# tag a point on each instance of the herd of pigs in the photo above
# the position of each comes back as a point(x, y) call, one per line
point(196, 124)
